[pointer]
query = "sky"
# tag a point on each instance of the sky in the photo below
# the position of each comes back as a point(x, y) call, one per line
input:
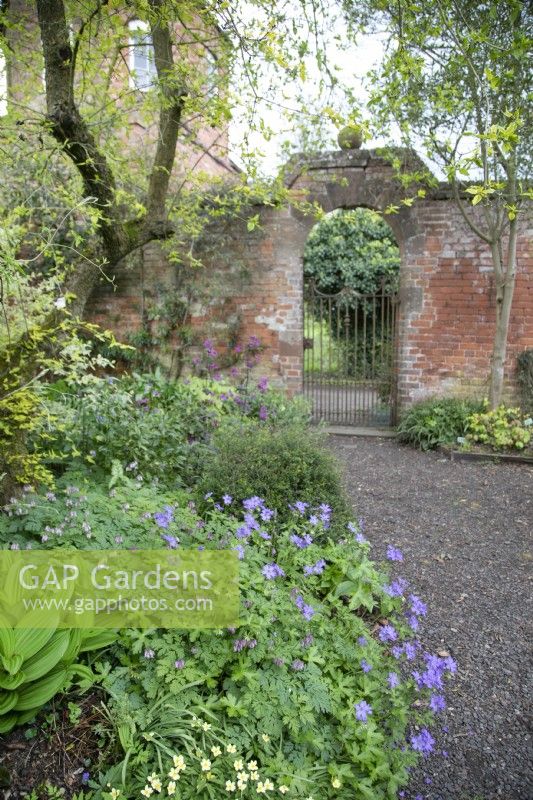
point(351, 65)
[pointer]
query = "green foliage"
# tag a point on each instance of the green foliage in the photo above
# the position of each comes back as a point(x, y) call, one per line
point(524, 374)
point(354, 248)
point(146, 421)
point(280, 465)
point(501, 429)
point(437, 421)
point(37, 663)
point(89, 510)
point(279, 691)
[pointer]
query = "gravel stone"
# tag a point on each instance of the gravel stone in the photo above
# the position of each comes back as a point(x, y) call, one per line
point(465, 530)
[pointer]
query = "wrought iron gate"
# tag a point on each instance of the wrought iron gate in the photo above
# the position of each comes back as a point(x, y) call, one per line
point(349, 356)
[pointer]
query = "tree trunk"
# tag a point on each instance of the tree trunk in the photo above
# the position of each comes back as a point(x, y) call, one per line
point(505, 283)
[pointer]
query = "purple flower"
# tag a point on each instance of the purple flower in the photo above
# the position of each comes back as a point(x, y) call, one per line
point(417, 606)
point(362, 641)
point(301, 541)
point(396, 588)
point(278, 662)
point(393, 554)
point(170, 540)
point(251, 522)
point(227, 499)
point(165, 517)
point(266, 514)
point(263, 413)
point(307, 611)
point(413, 622)
point(362, 710)
point(262, 384)
point(242, 644)
point(298, 665)
point(315, 569)
point(254, 343)
point(365, 666)
point(148, 653)
point(325, 514)
point(387, 634)
point(299, 506)
point(243, 532)
point(251, 503)
point(423, 742)
point(179, 663)
point(240, 551)
point(432, 677)
point(85, 777)
point(308, 640)
point(397, 650)
point(410, 651)
point(313, 519)
point(272, 571)
point(437, 703)
point(393, 680)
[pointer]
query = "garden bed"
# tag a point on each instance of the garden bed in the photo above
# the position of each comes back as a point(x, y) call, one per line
point(488, 455)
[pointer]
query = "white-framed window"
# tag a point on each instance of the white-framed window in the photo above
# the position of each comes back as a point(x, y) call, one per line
point(141, 56)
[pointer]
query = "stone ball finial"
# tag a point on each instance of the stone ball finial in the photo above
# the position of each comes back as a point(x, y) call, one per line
point(350, 137)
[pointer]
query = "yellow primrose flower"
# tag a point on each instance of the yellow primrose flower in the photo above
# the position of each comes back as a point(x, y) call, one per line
point(335, 782)
point(216, 750)
point(147, 791)
point(252, 766)
point(205, 764)
point(265, 737)
point(115, 793)
point(230, 786)
point(174, 774)
point(179, 762)
point(156, 784)
point(209, 776)
point(268, 785)
point(242, 776)
point(241, 785)
point(230, 748)
point(254, 775)
point(260, 788)
point(238, 765)
point(283, 789)
point(198, 752)
point(171, 788)
point(206, 726)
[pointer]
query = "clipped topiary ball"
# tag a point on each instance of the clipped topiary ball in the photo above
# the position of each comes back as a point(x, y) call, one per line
point(350, 137)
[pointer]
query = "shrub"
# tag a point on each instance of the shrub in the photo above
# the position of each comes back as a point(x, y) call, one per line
point(436, 421)
point(321, 685)
point(279, 464)
point(502, 429)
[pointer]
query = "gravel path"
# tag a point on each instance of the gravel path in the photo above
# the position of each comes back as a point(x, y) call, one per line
point(465, 531)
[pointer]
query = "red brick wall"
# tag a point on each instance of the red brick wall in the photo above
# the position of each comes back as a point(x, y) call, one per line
point(252, 282)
